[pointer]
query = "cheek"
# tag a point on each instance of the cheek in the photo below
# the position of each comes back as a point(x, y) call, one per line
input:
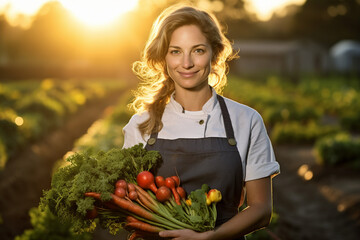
point(170, 63)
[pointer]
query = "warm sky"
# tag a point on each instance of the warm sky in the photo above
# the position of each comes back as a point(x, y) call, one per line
point(104, 11)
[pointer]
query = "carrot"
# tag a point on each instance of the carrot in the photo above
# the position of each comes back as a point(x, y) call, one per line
point(144, 194)
point(144, 227)
point(137, 210)
point(140, 225)
point(144, 200)
point(93, 194)
point(140, 235)
point(132, 207)
point(126, 205)
point(132, 219)
point(170, 183)
point(135, 235)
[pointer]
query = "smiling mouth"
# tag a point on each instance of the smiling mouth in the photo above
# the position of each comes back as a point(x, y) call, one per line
point(187, 74)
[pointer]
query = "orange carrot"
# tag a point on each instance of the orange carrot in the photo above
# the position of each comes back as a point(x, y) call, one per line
point(126, 205)
point(140, 235)
point(132, 207)
point(139, 190)
point(144, 227)
point(132, 219)
point(93, 194)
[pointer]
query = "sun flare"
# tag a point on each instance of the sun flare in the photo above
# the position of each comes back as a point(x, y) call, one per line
point(98, 13)
point(90, 12)
point(265, 9)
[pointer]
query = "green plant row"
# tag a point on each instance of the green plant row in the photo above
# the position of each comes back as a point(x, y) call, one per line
point(104, 134)
point(314, 110)
point(307, 104)
point(29, 109)
point(338, 149)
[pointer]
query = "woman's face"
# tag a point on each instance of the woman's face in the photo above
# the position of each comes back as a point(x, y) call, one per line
point(188, 59)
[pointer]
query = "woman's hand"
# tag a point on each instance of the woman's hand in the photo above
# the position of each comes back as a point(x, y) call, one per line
point(186, 234)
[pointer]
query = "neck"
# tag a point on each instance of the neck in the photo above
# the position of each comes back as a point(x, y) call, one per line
point(193, 100)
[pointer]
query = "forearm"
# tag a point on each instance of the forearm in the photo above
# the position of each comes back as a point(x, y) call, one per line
point(246, 221)
point(257, 215)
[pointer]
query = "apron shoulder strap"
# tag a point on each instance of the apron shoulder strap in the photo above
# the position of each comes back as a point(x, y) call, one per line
point(227, 121)
point(152, 139)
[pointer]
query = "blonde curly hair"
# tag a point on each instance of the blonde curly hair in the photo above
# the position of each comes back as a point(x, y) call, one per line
point(156, 86)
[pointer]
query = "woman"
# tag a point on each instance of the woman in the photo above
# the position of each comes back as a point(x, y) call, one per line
point(202, 137)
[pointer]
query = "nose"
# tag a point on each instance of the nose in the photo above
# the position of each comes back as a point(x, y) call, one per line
point(187, 61)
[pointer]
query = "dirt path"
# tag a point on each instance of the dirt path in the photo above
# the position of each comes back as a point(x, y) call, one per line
point(326, 207)
point(27, 174)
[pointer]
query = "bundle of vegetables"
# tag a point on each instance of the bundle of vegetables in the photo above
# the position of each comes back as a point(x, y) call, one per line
point(117, 190)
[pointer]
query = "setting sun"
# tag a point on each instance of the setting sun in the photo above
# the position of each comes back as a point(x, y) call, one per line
point(264, 9)
point(98, 13)
point(92, 13)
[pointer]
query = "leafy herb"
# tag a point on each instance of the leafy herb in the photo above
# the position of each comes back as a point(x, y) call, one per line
point(93, 173)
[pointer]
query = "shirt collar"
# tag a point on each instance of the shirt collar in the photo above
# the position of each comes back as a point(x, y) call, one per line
point(207, 108)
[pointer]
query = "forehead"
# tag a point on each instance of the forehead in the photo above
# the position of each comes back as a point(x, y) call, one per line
point(188, 35)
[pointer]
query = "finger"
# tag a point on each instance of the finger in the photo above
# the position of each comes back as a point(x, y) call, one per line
point(169, 233)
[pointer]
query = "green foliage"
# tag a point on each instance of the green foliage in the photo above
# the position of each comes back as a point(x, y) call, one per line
point(338, 149)
point(46, 226)
point(295, 132)
point(42, 106)
point(106, 133)
point(10, 133)
point(3, 156)
point(89, 172)
point(351, 121)
point(295, 113)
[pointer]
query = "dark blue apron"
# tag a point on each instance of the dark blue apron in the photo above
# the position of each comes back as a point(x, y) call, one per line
point(212, 160)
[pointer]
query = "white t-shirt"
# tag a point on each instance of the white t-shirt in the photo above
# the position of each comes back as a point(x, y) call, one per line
point(253, 143)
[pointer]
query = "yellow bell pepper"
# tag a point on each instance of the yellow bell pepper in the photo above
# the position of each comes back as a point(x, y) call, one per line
point(214, 195)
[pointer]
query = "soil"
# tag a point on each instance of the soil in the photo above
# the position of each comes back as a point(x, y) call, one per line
point(325, 207)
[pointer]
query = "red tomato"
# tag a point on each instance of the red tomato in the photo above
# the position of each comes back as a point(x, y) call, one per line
point(145, 180)
point(133, 195)
point(181, 191)
point(131, 187)
point(160, 181)
point(177, 180)
point(120, 192)
point(163, 194)
point(121, 184)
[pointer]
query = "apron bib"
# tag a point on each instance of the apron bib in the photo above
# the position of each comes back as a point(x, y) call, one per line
point(213, 160)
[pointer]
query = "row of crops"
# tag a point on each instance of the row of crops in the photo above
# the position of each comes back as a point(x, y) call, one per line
point(30, 109)
point(320, 112)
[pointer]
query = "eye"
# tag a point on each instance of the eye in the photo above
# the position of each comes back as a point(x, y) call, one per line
point(174, 51)
point(199, 50)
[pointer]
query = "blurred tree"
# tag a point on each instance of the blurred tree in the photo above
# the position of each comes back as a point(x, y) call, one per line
point(51, 36)
point(328, 21)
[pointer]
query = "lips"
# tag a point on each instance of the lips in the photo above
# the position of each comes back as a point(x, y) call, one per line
point(187, 74)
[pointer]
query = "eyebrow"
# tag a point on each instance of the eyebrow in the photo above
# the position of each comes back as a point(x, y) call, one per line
point(195, 46)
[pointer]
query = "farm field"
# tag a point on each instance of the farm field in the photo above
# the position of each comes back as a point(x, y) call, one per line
point(314, 128)
point(27, 170)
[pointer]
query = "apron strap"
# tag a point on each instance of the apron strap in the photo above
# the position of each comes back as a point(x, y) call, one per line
point(152, 139)
point(227, 121)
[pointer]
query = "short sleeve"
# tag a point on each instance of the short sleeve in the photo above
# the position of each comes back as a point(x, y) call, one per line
point(261, 160)
point(132, 134)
